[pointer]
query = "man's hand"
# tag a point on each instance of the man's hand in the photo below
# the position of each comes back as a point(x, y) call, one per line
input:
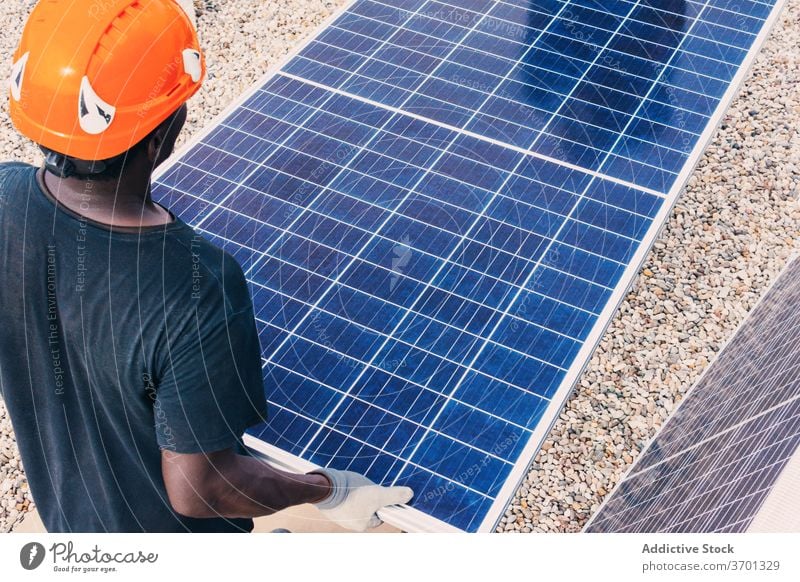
point(355, 500)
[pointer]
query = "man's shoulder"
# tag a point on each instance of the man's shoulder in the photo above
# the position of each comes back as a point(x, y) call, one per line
point(11, 169)
point(207, 256)
point(213, 275)
point(10, 165)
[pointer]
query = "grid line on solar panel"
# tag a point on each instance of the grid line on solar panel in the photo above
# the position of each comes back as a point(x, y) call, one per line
point(515, 422)
point(590, 212)
point(496, 59)
point(299, 125)
point(382, 300)
point(504, 343)
point(358, 465)
point(544, 155)
point(667, 521)
point(443, 369)
point(411, 456)
point(682, 514)
point(748, 413)
point(729, 432)
point(593, 18)
point(399, 417)
point(582, 326)
point(440, 63)
point(464, 331)
point(433, 320)
point(285, 378)
point(489, 140)
point(374, 298)
point(241, 178)
point(458, 84)
point(479, 244)
point(747, 485)
point(342, 356)
point(320, 377)
point(612, 209)
point(632, 212)
point(549, 154)
point(729, 435)
point(405, 342)
point(605, 164)
point(726, 447)
point(719, 5)
point(648, 12)
point(769, 388)
point(727, 9)
point(736, 527)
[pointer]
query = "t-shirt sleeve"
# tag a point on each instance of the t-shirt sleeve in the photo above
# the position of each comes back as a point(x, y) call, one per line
point(211, 386)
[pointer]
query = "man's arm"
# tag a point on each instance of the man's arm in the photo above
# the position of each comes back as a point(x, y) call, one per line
point(225, 484)
point(210, 391)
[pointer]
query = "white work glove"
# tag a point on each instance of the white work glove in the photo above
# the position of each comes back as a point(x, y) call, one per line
point(355, 500)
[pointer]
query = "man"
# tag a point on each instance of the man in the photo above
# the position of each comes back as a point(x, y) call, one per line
point(129, 357)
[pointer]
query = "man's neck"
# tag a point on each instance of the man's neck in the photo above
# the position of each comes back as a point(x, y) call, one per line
point(125, 202)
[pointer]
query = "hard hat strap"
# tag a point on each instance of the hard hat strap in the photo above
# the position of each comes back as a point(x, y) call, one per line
point(65, 166)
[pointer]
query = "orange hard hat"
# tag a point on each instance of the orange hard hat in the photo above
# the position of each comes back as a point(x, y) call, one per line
point(91, 78)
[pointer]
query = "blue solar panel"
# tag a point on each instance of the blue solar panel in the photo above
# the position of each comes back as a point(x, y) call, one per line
point(438, 206)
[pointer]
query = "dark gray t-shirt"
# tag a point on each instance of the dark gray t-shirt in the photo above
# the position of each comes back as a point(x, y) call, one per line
point(115, 344)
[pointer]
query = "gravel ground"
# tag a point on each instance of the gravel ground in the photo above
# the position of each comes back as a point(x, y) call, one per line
point(732, 231)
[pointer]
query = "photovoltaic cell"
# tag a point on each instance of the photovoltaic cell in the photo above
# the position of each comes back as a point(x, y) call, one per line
point(715, 461)
point(438, 205)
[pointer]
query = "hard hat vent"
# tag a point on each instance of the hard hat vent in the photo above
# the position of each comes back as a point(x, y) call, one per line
point(17, 75)
point(95, 114)
point(115, 32)
point(191, 64)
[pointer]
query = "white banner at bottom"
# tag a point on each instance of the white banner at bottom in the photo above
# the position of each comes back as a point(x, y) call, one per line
point(399, 557)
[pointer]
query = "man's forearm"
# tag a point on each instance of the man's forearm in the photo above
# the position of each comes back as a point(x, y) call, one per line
point(224, 484)
point(248, 487)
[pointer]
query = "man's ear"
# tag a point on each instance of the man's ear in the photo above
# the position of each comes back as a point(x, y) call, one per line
point(161, 142)
point(155, 142)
